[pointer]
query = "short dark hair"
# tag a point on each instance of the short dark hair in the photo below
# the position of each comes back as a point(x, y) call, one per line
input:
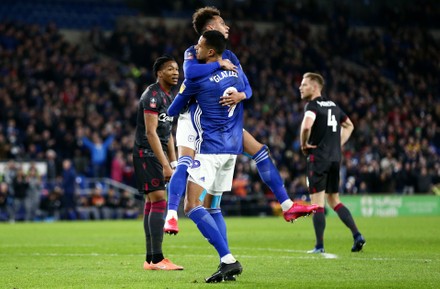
point(215, 40)
point(160, 61)
point(202, 16)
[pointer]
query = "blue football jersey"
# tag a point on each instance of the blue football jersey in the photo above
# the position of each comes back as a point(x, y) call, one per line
point(220, 129)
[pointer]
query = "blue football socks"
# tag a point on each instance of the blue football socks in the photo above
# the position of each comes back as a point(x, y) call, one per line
point(209, 229)
point(177, 185)
point(270, 174)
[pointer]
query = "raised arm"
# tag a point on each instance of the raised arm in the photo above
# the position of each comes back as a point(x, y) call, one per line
point(192, 69)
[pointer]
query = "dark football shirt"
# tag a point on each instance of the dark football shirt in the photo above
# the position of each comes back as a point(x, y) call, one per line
point(154, 100)
point(326, 130)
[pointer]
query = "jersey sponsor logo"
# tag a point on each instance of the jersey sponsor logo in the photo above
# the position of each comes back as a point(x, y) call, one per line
point(326, 103)
point(195, 164)
point(153, 102)
point(182, 88)
point(223, 74)
point(163, 117)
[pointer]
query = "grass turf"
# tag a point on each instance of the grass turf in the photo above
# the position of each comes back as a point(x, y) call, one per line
point(401, 252)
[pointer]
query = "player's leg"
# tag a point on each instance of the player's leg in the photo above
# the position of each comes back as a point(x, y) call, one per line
point(185, 137)
point(177, 187)
point(318, 221)
point(208, 170)
point(141, 179)
point(212, 205)
point(147, 169)
point(272, 178)
point(346, 217)
point(317, 181)
point(342, 211)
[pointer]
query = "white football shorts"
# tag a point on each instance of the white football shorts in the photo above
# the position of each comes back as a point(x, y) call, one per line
point(213, 172)
point(185, 133)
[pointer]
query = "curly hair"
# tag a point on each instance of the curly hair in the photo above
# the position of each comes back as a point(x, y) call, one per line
point(202, 16)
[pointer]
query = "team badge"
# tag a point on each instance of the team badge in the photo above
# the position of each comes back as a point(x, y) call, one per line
point(153, 102)
point(195, 164)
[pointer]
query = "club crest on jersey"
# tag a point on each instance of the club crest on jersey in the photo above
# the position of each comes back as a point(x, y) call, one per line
point(196, 164)
point(153, 102)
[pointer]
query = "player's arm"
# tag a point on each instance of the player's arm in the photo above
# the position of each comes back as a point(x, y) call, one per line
point(247, 87)
point(186, 91)
point(171, 152)
point(192, 69)
point(347, 128)
point(235, 97)
point(151, 122)
point(306, 129)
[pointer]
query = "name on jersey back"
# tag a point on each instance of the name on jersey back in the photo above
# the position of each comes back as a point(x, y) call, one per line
point(326, 103)
point(223, 74)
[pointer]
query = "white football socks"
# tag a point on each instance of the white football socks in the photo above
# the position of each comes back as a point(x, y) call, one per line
point(286, 205)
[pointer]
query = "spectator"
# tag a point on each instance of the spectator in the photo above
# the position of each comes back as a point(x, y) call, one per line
point(98, 151)
point(97, 202)
point(424, 181)
point(118, 166)
point(33, 194)
point(111, 209)
point(68, 189)
point(50, 205)
point(5, 207)
point(52, 166)
point(20, 185)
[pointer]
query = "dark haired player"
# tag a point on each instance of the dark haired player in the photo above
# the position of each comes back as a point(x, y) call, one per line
point(219, 140)
point(324, 130)
point(204, 19)
point(152, 153)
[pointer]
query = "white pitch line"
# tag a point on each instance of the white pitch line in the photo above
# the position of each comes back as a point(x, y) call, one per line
point(304, 256)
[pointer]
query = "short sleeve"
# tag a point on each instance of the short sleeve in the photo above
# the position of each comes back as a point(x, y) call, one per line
point(151, 101)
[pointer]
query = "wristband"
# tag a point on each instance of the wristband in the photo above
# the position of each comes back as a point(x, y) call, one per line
point(173, 164)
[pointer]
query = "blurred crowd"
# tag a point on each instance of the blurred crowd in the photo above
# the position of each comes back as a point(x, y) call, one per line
point(59, 101)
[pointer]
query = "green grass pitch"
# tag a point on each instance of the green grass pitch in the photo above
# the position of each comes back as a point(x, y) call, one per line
point(401, 252)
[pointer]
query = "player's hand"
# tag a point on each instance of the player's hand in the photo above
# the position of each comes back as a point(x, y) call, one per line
point(232, 98)
point(226, 64)
point(167, 173)
point(305, 148)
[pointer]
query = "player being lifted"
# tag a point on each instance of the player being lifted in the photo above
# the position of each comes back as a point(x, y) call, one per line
point(208, 18)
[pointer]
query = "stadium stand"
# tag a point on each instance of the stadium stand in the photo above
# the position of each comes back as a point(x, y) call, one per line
point(53, 92)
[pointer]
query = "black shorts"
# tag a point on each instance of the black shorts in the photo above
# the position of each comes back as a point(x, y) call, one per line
point(149, 174)
point(323, 176)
